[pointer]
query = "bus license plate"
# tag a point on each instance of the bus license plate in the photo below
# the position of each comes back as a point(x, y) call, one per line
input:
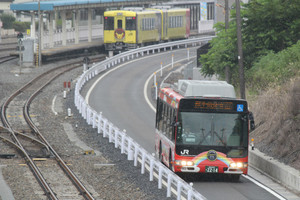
point(211, 169)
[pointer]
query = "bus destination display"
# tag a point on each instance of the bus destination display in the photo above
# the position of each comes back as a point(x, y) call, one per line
point(213, 105)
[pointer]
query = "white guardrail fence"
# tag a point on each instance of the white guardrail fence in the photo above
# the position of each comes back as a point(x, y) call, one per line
point(121, 140)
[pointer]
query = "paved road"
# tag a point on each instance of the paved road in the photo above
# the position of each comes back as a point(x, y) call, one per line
point(119, 96)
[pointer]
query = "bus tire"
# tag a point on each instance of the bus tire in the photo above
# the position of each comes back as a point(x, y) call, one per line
point(170, 161)
point(160, 153)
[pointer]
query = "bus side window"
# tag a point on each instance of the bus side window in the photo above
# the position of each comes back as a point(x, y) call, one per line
point(173, 124)
point(160, 114)
point(168, 121)
point(164, 128)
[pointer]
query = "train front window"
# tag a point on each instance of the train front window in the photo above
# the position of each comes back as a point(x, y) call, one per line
point(109, 23)
point(130, 23)
point(212, 129)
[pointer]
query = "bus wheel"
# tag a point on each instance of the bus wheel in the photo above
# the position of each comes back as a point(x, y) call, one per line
point(160, 153)
point(170, 162)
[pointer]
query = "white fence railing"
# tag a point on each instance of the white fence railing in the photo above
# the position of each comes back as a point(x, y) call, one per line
point(121, 140)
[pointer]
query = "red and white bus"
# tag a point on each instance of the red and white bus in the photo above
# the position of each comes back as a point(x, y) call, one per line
point(202, 128)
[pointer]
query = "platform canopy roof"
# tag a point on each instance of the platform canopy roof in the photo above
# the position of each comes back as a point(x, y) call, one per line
point(72, 4)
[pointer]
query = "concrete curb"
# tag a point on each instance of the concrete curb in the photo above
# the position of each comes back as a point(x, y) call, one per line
point(280, 172)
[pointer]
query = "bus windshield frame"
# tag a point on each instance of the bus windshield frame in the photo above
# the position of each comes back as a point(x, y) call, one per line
point(205, 124)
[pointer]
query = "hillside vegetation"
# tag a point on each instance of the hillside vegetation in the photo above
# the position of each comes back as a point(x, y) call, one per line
point(275, 78)
point(271, 49)
point(277, 119)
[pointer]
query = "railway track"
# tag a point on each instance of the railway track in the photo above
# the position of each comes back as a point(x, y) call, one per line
point(5, 49)
point(58, 181)
point(4, 59)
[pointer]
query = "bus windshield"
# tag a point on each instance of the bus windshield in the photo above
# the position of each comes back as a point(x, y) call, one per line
point(229, 130)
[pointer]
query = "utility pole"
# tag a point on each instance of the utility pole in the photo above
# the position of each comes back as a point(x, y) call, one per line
point(240, 50)
point(40, 37)
point(227, 69)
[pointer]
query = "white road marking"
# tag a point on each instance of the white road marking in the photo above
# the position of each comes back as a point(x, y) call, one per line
point(53, 105)
point(148, 80)
point(115, 68)
point(264, 187)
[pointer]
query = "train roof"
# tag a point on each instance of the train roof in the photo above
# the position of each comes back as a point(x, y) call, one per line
point(143, 10)
point(128, 11)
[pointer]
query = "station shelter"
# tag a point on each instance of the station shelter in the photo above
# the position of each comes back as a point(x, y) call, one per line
point(68, 22)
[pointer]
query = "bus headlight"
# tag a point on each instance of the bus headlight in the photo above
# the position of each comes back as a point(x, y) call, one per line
point(185, 163)
point(236, 165)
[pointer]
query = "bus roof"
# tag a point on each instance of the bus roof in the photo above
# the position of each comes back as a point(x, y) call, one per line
point(201, 88)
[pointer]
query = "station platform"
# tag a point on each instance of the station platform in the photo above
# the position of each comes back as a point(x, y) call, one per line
point(83, 48)
point(69, 48)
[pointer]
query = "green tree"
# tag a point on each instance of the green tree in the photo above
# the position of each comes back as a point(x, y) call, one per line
point(7, 20)
point(223, 52)
point(268, 26)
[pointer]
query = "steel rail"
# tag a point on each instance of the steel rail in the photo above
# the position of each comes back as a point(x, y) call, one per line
point(8, 49)
point(6, 58)
point(47, 189)
point(82, 189)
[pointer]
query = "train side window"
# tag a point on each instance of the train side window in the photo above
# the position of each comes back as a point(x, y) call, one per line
point(130, 23)
point(120, 23)
point(109, 23)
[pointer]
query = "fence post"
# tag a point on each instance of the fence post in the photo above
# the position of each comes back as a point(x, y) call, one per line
point(169, 185)
point(151, 170)
point(160, 177)
point(99, 122)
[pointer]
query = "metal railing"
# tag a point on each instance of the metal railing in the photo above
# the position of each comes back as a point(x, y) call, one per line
point(121, 140)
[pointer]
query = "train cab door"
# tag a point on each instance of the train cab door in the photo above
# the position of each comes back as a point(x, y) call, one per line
point(119, 29)
point(119, 23)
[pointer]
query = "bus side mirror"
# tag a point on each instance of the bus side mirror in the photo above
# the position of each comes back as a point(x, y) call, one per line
point(251, 119)
point(175, 124)
point(252, 125)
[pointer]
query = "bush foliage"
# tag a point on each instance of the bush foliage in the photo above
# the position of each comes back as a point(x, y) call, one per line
point(21, 26)
point(274, 68)
point(7, 20)
point(269, 28)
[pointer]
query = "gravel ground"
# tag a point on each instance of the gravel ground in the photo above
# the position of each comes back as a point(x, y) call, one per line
point(119, 181)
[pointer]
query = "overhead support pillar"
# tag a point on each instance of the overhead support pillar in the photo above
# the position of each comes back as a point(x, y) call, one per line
point(64, 29)
point(90, 25)
point(51, 18)
point(76, 23)
point(32, 27)
point(42, 29)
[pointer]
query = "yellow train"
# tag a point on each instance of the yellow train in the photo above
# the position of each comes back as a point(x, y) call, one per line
point(135, 27)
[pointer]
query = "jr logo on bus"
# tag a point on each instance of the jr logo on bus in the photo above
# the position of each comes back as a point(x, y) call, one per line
point(185, 152)
point(119, 33)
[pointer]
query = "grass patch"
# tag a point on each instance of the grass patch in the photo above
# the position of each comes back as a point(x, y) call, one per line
point(274, 69)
